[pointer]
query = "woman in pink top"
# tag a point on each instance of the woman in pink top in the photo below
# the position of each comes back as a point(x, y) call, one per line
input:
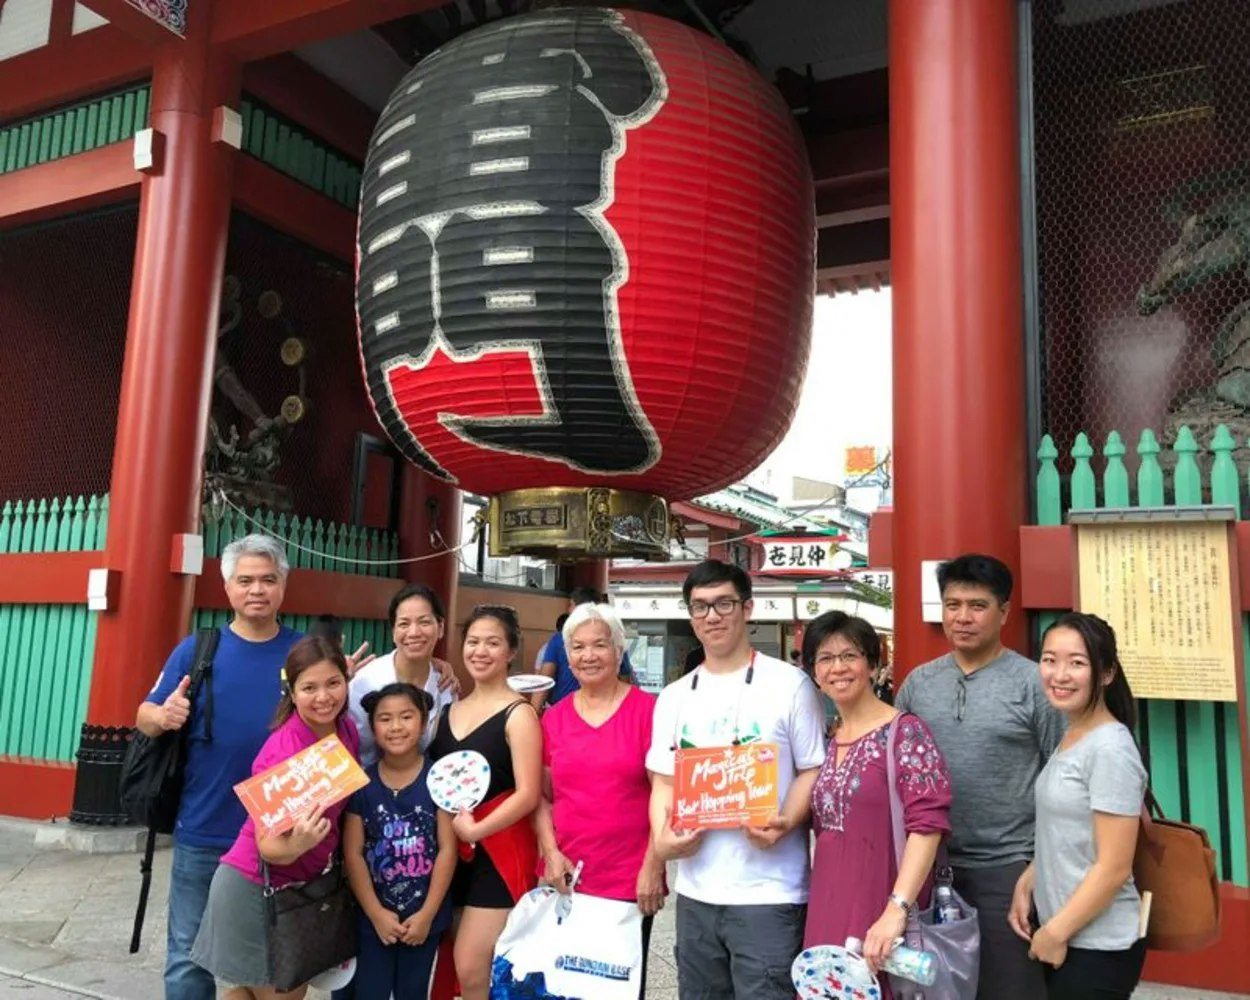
point(233, 939)
point(595, 780)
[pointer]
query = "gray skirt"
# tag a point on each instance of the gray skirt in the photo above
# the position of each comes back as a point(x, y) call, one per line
point(233, 942)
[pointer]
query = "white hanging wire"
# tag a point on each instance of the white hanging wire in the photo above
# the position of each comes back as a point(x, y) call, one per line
point(219, 497)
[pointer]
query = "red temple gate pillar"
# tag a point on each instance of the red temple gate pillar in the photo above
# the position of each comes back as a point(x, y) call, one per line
point(154, 495)
point(590, 573)
point(959, 415)
point(430, 512)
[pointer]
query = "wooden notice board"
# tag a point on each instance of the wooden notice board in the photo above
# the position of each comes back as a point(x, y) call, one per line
point(1166, 588)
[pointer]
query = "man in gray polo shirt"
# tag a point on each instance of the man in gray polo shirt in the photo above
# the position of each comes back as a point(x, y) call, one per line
point(993, 724)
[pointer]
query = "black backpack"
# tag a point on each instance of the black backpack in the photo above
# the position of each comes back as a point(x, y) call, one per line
point(152, 774)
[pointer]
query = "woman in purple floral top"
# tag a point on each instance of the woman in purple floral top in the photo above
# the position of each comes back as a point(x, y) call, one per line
point(858, 890)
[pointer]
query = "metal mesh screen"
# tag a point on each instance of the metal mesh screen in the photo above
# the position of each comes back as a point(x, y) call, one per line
point(64, 298)
point(1142, 179)
point(288, 397)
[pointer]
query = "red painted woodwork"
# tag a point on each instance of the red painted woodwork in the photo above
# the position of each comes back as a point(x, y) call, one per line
point(881, 537)
point(309, 592)
point(294, 209)
point(46, 577)
point(1047, 567)
point(130, 19)
point(155, 491)
point(36, 789)
point(955, 267)
point(590, 573)
point(704, 515)
point(72, 184)
point(62, 24)
point(252, 30)
point(430, 514)
point(652, 573)
point(74, 67)
point(297, 91)
point(1223, 966)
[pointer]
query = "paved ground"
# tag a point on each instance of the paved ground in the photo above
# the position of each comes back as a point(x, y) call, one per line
point(65, 920)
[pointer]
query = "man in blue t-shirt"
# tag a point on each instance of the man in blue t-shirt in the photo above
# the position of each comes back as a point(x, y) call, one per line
point(555, 659)
point(246, 688)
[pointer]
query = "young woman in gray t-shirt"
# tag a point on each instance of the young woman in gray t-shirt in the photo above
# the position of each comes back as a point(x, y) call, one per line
point(1089, 800)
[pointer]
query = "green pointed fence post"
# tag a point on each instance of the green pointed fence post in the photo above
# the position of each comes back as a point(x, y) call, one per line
point(1186, 479)
point(6, 525)
point(211, 529)
point(316, 559)
point(1115, 476)
point(1084, 488)
point(293, 551)
point(102, 526)
point(77, 525)
point(281, 528)
point(91, 522)
point(306, 540)
point(39, 543)
point(1149, 473)
point(1049, 501)
point(64, 525)
point(1225, 483)
point(26, 525)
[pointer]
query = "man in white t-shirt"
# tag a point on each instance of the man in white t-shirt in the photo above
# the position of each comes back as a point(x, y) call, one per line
point(741, 894)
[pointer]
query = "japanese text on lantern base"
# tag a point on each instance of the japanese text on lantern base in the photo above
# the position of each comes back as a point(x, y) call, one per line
point(1165, 588)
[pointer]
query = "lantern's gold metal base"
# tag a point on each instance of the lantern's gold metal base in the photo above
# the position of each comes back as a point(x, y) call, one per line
point(568, 523)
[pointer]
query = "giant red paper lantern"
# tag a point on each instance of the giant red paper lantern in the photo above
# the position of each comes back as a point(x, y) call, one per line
point(585, 258)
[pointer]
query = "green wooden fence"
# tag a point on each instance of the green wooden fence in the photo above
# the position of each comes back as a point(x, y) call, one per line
point(100, 121)
point(1193, 748)
point(285, 146)
point(317, 545)
point(377, 632)
point(46, 650)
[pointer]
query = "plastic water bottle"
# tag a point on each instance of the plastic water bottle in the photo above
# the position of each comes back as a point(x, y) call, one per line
point(945, 908)
point(906, 963)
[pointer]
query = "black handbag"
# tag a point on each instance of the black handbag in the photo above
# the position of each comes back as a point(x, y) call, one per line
point(311, 926)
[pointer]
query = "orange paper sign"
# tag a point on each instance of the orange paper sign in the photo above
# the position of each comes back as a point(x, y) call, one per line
point(323, 774)
point(717, 787)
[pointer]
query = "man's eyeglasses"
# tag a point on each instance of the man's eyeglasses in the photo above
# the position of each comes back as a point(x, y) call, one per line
point(846, 658)
point(722, 605)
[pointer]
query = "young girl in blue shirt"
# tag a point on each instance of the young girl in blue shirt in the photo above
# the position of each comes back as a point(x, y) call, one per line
point(400, 853)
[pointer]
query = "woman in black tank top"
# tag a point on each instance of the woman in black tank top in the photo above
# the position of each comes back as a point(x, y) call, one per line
point(505, 730)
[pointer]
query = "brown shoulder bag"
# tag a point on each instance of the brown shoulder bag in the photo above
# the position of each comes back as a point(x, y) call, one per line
point(1176, 865)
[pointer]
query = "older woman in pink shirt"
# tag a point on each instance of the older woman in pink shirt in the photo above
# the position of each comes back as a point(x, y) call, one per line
point(596, 785)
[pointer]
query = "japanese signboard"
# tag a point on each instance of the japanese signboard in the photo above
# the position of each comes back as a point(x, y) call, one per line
point(717, 787)
point(1165, 588)
point(323, 774)
point(800, 556)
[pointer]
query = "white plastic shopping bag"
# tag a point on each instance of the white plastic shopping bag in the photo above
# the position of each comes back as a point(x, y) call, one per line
point(592, 953)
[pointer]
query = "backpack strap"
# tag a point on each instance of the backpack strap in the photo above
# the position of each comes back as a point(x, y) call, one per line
point(206, 642)
point(145, 871)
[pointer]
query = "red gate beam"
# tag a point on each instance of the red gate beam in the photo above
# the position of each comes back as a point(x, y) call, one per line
point(253, 30)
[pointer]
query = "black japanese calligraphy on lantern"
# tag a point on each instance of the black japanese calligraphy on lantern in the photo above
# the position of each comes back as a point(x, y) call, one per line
point(816, 555)
point(776, 555)
point(483, 231)
point(797, 557)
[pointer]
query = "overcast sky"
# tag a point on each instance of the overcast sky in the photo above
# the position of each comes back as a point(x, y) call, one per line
point(846, 395)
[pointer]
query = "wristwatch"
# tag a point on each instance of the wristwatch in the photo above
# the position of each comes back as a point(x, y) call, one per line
point(903, 904)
